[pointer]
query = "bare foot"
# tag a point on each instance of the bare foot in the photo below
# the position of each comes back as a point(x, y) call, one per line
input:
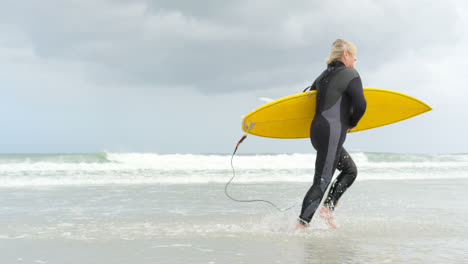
point(327, 215)
point(299, 226)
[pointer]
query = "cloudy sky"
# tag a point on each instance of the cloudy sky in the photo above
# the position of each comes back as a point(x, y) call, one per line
point(175, 76)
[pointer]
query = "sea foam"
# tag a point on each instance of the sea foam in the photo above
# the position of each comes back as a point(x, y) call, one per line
point(151, 168)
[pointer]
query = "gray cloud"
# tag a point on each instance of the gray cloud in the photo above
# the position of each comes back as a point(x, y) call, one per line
point(175, 76)
point(220, 47)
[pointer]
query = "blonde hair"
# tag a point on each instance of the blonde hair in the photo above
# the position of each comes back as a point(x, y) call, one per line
point(337, 49)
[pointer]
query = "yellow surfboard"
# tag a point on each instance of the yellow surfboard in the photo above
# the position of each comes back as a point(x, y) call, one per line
point(291, 116)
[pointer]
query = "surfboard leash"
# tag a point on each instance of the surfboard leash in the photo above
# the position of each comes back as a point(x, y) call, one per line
point(234, 175)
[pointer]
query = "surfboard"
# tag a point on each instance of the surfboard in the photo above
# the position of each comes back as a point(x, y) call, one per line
point(291, 116)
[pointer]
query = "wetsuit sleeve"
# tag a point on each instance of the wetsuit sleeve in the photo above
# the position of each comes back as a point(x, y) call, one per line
point(358, 102)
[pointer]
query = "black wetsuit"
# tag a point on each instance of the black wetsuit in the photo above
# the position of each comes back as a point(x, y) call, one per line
point(340, 106)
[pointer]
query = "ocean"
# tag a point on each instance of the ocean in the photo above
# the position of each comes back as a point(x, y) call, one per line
point(171, 208)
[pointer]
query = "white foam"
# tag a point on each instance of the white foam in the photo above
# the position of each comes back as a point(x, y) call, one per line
point(180, 162)
point(149, 168)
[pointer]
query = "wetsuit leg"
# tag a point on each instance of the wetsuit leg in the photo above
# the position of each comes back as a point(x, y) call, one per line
point(328, 144)
point(344, 180)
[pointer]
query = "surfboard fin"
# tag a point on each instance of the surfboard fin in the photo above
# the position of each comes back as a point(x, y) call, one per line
point(265, 99)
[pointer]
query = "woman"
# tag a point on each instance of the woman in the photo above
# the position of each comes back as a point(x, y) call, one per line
point(340, 105)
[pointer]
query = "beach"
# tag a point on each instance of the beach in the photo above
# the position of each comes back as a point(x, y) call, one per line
point(171, 208)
